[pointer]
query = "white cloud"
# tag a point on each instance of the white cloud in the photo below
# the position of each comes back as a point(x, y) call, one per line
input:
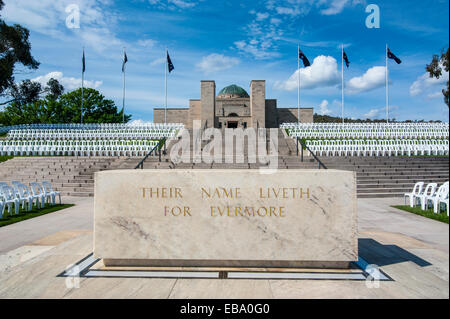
point(275, 21)
point(374, 78)
point(372, 113)
point(324, 110)
point(426, 84)
point(335, 7)
point(381, 112)
point(182, 4)
point(323, 72)
point(49, 17)
point(288, 11)
point(216, 62)
point(147, 43)
point(261, 16)
point(171, 4)
point(435, 95)
point(158, 61)
point(100, 39)
point(69, 83)
point(256, 48)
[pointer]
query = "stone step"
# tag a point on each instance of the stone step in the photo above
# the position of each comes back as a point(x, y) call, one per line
point(380, 195)
point(400, 181)
point(402, 174)
point(391, 185)
point(383, 190)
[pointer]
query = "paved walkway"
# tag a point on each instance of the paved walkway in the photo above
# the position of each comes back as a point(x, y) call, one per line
point(412, 250)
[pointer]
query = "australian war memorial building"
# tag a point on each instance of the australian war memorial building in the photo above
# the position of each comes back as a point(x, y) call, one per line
point(233, 107)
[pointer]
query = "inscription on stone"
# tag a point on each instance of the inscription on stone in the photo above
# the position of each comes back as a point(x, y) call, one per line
point(225, 217)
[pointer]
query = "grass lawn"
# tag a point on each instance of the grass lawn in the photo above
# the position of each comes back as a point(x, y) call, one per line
point(23, 215)
point(5, 158)
point(442, 217)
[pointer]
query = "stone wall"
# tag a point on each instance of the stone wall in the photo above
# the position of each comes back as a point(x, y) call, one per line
point(178, 115)
point(258, 103)
point(195, 112)
point(271, 114)
point(289, 115)
point(239, 106)
point(256, 110)
point(208, 108)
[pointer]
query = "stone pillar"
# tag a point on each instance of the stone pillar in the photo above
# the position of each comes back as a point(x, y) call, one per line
point(208, 103)
point(258, 103)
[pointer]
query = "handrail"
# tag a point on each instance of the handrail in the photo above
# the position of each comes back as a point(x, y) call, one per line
point(302, 142)
point(158, 146)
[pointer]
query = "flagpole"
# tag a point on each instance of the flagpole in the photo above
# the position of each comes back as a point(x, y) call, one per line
point(124, 70)
point(82, 86)
point(298, 84)
point(387, 86)
point(342, 83)
point(166, 65)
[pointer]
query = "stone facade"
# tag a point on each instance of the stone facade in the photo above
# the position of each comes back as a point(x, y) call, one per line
point(232, 108)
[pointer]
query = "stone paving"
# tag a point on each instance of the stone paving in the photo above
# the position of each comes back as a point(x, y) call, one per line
point(412, 250)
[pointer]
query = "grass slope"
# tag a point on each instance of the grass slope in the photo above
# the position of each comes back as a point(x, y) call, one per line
point(442, 217)
point(24, 215)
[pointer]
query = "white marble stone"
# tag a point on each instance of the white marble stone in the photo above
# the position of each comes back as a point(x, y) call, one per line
point(134, 224)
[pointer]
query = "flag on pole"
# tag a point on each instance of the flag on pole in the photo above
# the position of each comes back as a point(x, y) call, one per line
point(125, 60)
point(303, 57)
point(169, 63)
point(84, 62)
point(347, 62)
point(393, 57)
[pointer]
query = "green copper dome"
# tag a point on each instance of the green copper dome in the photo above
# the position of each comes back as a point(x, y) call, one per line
point(233, 91)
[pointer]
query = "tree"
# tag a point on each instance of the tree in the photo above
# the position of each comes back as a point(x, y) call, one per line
point(96, 109)
point(435, 70)
point(64, 108)
point(26, 92)
point(14, 48)
point(54, 89)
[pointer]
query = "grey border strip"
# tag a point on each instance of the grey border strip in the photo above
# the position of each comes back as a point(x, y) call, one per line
point(86, 263)
point(296, 275)
point(151, 274)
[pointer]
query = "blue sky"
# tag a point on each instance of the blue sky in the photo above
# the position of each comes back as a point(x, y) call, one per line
point(234, 42)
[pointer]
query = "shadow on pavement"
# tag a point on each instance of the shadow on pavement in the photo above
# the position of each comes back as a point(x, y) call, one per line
point(376, 253)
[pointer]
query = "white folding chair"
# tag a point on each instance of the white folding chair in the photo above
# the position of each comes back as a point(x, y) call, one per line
point(442, 197)
point(37, 190)
point(417, 190)
point(48, 190)
point(427, 193)
point(7, 192)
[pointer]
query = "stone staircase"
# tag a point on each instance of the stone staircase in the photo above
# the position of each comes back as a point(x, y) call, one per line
point(392, 176)
point(72, 176)
point(376, 176)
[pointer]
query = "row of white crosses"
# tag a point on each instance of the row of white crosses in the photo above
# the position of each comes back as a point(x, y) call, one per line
point(365, 131)
point(77, 147)
point(378, 147)
point(92, 126)
point(75, 134)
